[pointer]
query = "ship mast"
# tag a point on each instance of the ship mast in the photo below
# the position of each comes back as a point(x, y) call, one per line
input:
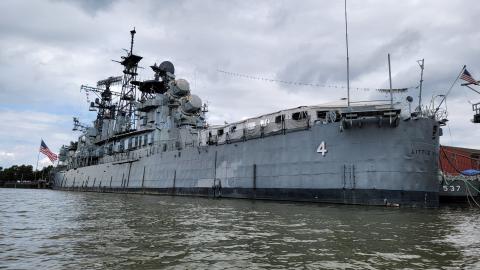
point(348, 59)
point(126, 107)
point(421, 63)
point(390, 80)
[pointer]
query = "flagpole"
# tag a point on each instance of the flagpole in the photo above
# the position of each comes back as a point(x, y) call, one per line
point(38, 157)
point(451, 87)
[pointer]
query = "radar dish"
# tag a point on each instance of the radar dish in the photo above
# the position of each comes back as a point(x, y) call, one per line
point(150, 86)
point(167, 66)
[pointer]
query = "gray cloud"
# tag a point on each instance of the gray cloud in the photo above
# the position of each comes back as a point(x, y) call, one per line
point(49, 48)
point(91, 6)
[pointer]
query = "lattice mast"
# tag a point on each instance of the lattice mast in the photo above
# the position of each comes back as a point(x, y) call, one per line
point(126, 105)
point(103, 104)
point(106, 108)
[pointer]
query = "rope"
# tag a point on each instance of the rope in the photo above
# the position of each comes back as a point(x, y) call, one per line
point(467, 183)
point(258, 78)
point(470, 193)
point(468, 199)
point(451, 164)
point(471, 185)
point(450, 89)
point(476, 159)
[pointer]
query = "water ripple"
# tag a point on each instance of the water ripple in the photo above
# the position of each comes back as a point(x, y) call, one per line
point(43, 229)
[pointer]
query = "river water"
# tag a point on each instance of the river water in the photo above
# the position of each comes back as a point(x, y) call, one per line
point(45, 229)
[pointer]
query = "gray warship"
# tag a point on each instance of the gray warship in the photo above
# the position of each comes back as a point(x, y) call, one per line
point(152, 137)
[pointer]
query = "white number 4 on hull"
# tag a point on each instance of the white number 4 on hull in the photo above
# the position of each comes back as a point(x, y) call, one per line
point(322, 148)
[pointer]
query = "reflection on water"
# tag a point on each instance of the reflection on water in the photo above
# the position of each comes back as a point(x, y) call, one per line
point(46, 229)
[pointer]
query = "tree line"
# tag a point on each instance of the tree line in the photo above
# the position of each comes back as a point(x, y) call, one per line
point(23, 172)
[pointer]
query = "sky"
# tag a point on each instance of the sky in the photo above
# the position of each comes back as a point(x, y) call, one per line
point(49, 48)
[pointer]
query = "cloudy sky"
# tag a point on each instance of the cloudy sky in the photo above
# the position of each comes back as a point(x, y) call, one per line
point(49, 48)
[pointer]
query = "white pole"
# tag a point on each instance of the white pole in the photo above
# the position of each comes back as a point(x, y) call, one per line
point(38, 157)
point(421, 84)
point(390, 78)
point(348, 59)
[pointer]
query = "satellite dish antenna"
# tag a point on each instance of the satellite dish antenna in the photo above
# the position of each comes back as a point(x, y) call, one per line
point(167, 66)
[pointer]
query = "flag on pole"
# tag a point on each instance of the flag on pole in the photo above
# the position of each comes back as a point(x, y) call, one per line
point(467, 77)
point(44, 150)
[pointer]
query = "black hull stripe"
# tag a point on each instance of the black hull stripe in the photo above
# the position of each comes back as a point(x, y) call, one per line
point(338, 196)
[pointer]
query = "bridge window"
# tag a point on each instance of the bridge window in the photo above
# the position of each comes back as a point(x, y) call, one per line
point(251, 125)
point(299, 115)
point(321, 114)
point(279, 118)
point(264, 122)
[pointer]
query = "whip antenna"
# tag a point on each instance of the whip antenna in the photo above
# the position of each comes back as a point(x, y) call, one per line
point(348, 60)
point(421, 63)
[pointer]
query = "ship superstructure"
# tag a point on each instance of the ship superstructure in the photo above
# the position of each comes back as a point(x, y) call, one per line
point(152, 137)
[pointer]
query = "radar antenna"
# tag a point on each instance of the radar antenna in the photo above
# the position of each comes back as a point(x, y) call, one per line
point(78, 126)
point(103, 102)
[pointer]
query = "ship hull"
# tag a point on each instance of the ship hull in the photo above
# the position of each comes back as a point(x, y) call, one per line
point(458, 191)
point(367, 164)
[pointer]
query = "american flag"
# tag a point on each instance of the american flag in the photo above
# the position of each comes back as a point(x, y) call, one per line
point(44, 150)
point(467, 77)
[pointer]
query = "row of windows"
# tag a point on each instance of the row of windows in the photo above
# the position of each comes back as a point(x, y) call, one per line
point(130, 143)
point(144, 120)
point(302, 115)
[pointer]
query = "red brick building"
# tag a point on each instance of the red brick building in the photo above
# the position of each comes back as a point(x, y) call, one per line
point(454, 159)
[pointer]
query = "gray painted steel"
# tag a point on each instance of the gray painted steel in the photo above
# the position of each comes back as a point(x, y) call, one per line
point(369, 165)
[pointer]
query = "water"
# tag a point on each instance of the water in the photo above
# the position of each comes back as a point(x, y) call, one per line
point(44, 229)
